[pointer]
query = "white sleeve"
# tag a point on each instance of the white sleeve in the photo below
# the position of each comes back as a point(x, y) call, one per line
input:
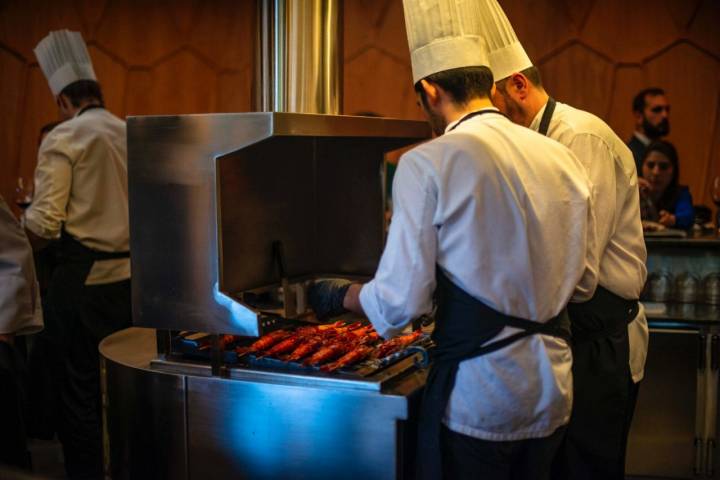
point(48, 210)
point(20, 311)
point(599, 162)
point(405, 279)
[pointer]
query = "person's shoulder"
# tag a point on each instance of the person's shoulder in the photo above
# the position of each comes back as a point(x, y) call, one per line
point(59, 137)
point(582, 122)
point(684, 191)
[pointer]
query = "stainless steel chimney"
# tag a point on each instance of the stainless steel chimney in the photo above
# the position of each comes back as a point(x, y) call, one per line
point(298, 62)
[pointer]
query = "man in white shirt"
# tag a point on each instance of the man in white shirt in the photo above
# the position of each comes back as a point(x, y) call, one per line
point(20, 314)
point(608, 354)
point(496, 222)
point(81, 202)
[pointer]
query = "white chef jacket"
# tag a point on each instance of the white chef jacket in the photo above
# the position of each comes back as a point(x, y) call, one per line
point(20, 310)
point(81, 183)
point(506, 213)
point(611, 168)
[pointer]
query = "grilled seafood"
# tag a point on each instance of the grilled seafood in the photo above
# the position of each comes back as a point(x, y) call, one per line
point(308, 346)
point(283, 346)
point(264, 342)
point(329, 352)
point(224, 341)
point(353, 356)
point(394, 344)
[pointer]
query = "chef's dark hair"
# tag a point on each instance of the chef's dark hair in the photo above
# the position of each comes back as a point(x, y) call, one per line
point(669, 196)
point(83, 90)
point(639, 100)
point(463, 84)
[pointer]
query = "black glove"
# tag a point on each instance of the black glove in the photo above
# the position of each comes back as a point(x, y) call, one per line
point(326, 297)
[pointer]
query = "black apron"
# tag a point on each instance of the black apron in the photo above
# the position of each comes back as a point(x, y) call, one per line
point(463, 326)
point(594, 442)
point(81, 316)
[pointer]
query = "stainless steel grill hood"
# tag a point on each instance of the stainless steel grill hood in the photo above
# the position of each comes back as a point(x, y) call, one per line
point(211, 194)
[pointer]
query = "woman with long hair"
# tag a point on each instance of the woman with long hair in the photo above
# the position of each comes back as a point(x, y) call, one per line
point(664, 200)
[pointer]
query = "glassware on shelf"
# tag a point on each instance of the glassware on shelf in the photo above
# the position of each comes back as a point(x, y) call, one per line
point(659, 286)
point(687, 287)
point(711, 288)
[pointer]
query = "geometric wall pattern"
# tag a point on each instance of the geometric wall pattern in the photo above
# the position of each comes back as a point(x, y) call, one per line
point(192, 56)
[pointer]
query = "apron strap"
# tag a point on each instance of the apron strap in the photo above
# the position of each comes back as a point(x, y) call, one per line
point(547, 116)
point(475, 114)
point(463, 328)
point(71, 250)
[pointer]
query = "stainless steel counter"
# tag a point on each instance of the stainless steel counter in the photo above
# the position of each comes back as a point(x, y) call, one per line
point(180, 425)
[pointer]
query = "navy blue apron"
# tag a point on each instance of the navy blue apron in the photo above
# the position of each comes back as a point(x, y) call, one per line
point(463, 326)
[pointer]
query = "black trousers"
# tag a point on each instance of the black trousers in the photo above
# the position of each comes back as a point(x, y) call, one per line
point(468, 458)
point(13, 438)
point(594, 447)
point(82, 316)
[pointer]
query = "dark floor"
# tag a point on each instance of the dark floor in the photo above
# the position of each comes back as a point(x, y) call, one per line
point(47, 461)
point(47, 458)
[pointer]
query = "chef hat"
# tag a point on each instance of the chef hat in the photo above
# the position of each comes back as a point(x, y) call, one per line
point(443, 35)
point(64, 59)
point(506, 54)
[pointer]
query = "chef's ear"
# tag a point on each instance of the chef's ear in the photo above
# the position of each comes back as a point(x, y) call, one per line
point(519, 84)
point(432, 93)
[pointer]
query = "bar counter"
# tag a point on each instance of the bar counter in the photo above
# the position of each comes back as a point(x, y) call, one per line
point(674, 429)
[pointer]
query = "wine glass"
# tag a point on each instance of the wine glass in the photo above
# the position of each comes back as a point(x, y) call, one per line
point(24, 192)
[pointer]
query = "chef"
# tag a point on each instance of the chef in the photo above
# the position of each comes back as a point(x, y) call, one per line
point(495, 221)
point(20, 314)
point(81, 202)
point(607, 364)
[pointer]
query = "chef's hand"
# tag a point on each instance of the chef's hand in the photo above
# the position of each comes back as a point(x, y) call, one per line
point(7, 338)
point(667, 218)
point(326, 297)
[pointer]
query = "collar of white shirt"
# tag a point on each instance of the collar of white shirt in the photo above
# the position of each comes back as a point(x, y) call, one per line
point(452, 124)
point(642, 137)
point(535, 124)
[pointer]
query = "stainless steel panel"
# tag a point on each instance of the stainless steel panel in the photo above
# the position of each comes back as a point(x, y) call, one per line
point(274, 431)
point(174, 217)
point(175, 426)
point(144, 412)
point(299, 57)
point(310, 193)
point(662, 436)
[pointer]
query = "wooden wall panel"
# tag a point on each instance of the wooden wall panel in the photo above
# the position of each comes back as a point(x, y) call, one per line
point(629, 31)
point(38, 109)
point(140, 32)
point(578, 65)
point(527, 18)
point(233, 94)
point(188, 56)
point(12, 86)
point(704, 28)
point(627, 82)
point(113, 80)
point(697, 108)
